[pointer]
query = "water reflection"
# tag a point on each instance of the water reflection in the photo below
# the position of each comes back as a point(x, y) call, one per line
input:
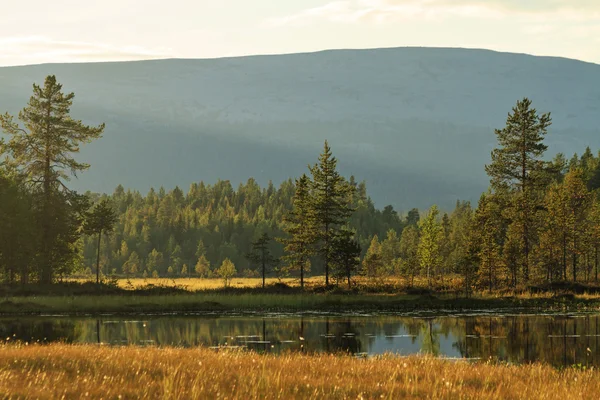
point(557, 340)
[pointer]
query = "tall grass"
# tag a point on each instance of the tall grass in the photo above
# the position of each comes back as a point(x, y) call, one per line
point(63, 371)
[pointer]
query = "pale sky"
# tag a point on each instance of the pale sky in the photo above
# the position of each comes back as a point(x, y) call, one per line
point(40, 31)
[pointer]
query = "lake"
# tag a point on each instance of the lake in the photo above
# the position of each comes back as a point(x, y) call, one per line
point(559, 340)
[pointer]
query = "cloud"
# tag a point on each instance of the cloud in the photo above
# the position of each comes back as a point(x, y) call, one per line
point(39, 49)
point(388, 11)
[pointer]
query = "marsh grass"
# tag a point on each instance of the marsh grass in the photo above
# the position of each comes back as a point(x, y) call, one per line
point(205, 295)
point(67, 371)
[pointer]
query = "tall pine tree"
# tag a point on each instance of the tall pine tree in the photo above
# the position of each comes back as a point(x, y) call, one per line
point(331, 195)
point(517, 165)
point(43, 152)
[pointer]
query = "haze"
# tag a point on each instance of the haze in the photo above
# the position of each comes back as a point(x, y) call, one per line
point(38, 31)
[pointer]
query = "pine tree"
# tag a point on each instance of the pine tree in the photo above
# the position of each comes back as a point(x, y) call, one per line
point(594, 233)
point(517, 165)
point(485, 225)
point(429, 245)
point(100, 220)
point(331, 196)
point(346, 256)
point(299, 224)
point(42, 151)
point(261, 254)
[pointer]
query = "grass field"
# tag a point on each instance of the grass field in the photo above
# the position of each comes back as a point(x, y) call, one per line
point(67, 371)
point(246, 294)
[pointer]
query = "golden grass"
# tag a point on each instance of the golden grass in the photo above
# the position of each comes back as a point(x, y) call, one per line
point(67, 371)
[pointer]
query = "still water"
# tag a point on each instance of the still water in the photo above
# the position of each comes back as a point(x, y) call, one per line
point(559, 340)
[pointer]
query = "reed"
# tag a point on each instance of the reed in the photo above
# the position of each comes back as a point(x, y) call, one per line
point(86, 371)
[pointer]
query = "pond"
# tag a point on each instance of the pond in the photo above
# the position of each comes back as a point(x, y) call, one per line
point(560, 340)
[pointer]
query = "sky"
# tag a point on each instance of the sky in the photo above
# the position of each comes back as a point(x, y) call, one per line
point(41, 31)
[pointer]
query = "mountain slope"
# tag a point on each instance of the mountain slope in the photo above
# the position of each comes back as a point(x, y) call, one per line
point(416, 123)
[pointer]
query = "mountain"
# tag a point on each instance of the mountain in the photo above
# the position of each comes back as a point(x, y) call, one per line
point(415, 123)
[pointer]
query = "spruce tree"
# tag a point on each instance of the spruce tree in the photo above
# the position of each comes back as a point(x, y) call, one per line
point(43, 152)
point(299, 224)
point(517, 165)
point(331, 195)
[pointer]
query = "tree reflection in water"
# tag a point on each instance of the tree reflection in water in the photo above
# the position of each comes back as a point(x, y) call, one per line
point(560, 340)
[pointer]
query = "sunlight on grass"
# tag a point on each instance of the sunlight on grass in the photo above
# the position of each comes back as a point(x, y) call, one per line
point(64, 371)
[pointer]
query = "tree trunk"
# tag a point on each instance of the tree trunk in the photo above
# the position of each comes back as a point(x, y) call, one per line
point(596, 263)
point(263, 268)
point(574, 259)
point(564, 256)
point(302, 275)
point(98, 258)
point(327, 254)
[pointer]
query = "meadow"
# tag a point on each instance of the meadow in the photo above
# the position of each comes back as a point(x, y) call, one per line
point(88, 371)
point(180, 295)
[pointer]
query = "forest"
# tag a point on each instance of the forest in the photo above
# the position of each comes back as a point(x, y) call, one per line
point(538, 222)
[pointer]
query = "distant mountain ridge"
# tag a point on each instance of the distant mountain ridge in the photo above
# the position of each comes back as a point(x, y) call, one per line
point(415, 123)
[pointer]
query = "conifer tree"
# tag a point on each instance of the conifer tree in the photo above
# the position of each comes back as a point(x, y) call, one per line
point(429, 245)
point(261, 254)
point(299, 224)
point(557, 226)
point(346, 255)
point(373, 266)
point(100, 220)
point(43, 152)
point(486, 222)
point(594, 233)
point(579, 201)
point(517, 165)
point(331, 195)
point(390, 250)
point(409, 245)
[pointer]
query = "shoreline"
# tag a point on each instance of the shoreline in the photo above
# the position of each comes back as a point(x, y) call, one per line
point(198, 303)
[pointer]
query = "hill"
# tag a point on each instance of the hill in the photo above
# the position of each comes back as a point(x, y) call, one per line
point(415, 123)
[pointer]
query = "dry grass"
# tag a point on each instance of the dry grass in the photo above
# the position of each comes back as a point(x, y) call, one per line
point(63, 371)
point(194, 283)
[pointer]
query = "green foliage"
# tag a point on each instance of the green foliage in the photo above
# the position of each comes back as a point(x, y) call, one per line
point(330, 201)
point(517, 167)
point(42, 152)
point(346, 256)
point(203, 267)
point(409, 252)
point(300, 226)
point(226, 271)
point(261, 255)
point(430, 257)
point(372, 265)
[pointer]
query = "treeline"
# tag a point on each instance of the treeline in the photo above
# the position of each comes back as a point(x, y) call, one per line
point(538, 222)
point(177, 233)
